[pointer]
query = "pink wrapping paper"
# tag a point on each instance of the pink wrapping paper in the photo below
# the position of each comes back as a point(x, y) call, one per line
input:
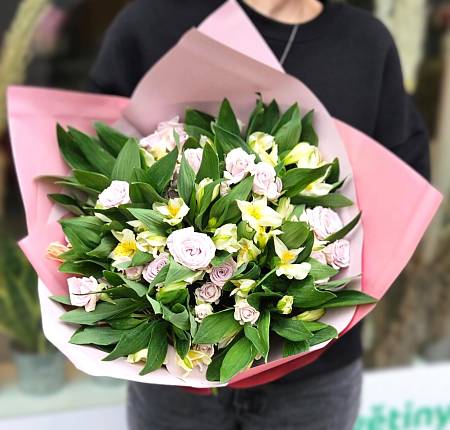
point(397, 207)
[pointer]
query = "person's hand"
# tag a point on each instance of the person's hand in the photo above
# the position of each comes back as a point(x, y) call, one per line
point(48, 30)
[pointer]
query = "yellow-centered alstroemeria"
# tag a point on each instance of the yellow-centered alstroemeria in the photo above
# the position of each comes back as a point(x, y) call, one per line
point(258, 214)
point(285, 209)
point(262, 236)
point(304, 155)
point(261, 143)
point(200, 190)
point(317, 188)
point(125, 249)
point(192, 359)
point(247, 252)
point(287, 257)
point(173, 212)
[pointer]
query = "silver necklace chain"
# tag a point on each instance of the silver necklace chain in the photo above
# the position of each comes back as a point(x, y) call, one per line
point(288, 47)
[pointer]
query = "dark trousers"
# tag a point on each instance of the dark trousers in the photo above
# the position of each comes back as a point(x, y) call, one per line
point(325, 402)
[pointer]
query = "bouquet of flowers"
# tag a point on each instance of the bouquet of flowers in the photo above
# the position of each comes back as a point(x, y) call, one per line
point(196, 249)
point(204, 239)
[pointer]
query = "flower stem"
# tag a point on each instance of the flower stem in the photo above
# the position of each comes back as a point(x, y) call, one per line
point(265, 277)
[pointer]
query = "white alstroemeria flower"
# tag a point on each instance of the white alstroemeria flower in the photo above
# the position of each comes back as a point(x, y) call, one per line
point(173, 212)
point(153, 243)
point(243, 287)
point(305, 156)
point(138, 356)
point(124, 252)
point(287, 264)
point(262, 236)
point(149, 159)
point(284, 305)
point(225, 238)
point(285, 209)
point(317, 189)
point(261, 143)
point(204, 140)
point(310, 316)
point(138, 226)
point(258, 214)
point(200, 190)
point(247, 252)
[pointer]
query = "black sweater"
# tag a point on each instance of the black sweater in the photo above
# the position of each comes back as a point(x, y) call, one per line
point(345, 56)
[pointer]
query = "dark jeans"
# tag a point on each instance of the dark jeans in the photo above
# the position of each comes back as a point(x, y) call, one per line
point(326, 402)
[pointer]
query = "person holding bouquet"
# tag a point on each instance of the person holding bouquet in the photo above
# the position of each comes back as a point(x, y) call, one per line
point(349, 60)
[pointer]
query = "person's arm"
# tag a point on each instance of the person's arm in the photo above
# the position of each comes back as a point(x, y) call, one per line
point(399, 126)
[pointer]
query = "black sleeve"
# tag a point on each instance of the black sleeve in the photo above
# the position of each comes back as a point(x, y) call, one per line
point(118, 67)
point(399, 126)
point(66, 4)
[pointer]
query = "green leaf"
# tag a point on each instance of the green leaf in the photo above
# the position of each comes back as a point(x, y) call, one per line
point(141, 192)
point(131, 341)
point(64, 300)
point(102, 312)
point(320, 271)
point(294, 234)
point(308, 133)
point(337, 283)
point(67, 202)
point(209, 167)
point(288, 135)
point(293, 348)
point(157, 348)
point(178, 316)
point(150, 218)
point(93, 180)
point(83, 268)
point(227, 119)
point(239, 357)
point(161, 171)
point(228, 141)
point(140, 289)
point(141, 258)
point(270, 117)
point(334, 172)
point(177, 272)
point(256, 120)
point(186, 180)
point(198, 119)
point(349, 298)
point(100, 159)
point(96, 336)
point(104, 248)
point(82, 232)
point(323, 335)
point(290, 329)
point(160, 277)
point(70, 151)
point(332, 201)
point(128, 159)
point(264, 332)
point(344, 230)
point(285, 118)
point(125, 323)
point(213, 370)
point(111, 138)
point(195, 133)
point(252, 334)
point(217, 327)
point(306, 294)
point(181, 341)
point(208, 195)
point(297, 179)
point(225, 209)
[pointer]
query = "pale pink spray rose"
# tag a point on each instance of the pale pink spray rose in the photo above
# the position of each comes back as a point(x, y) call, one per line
point(118, 193)
point(245, 313)
point(202, 311)
point(155, 266)
point(323, 221)
point(191, 249)
point(238, 164)
point(208, 293)
point(134, 273)
point(80, 292)
point(164, 135)
point(319, 256)
point(194, 158)
point(265, 181)
point(338, 254)
point(219, 275)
